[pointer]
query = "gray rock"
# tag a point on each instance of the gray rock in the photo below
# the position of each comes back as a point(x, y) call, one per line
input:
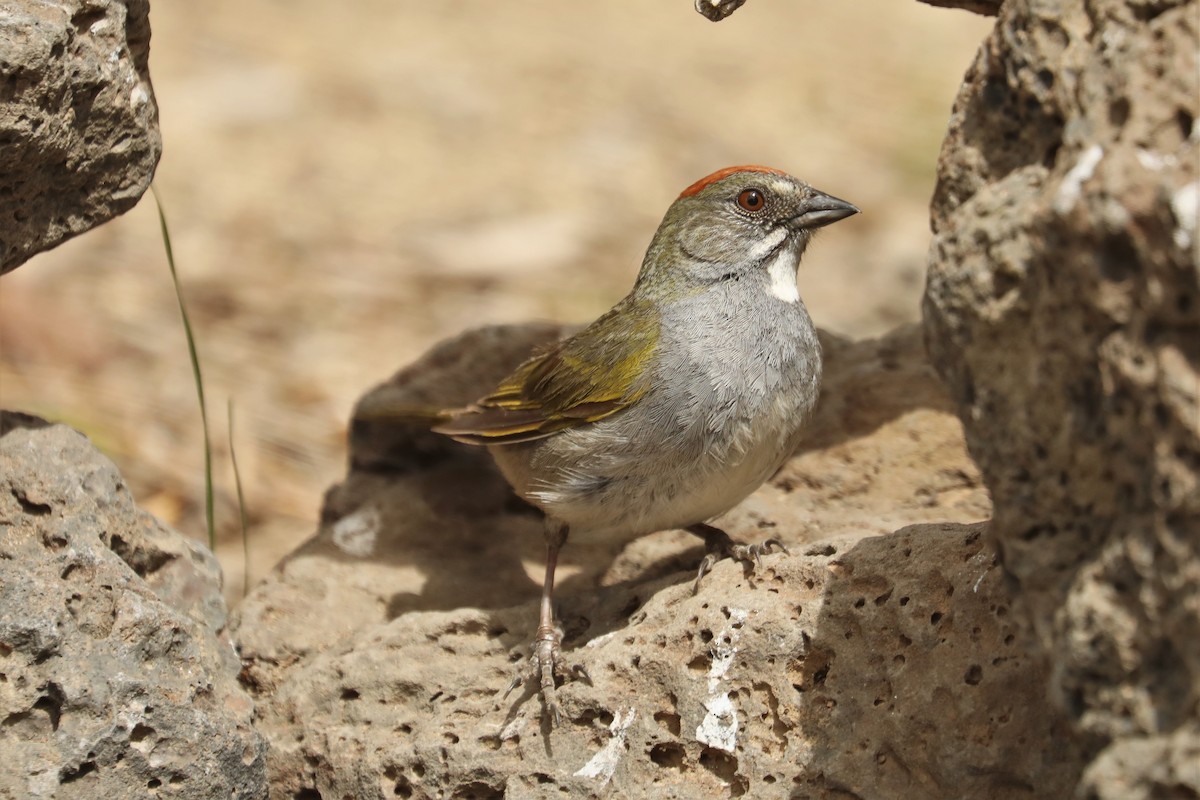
point(1063, 311)
point(114, 681)
point(79, 136)
point(423, 523)
point(883, 666)
point(988, 8)
point(879, 667)
point(1146, 767)
point(717, 10)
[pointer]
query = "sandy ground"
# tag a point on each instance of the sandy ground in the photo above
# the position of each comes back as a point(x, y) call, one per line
point(346, 185)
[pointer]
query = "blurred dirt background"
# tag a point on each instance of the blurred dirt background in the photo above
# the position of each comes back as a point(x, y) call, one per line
point(348, 184)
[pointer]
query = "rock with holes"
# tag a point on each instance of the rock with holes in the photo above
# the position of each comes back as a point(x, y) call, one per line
point(422, 523)
point(114, 682)
point(717, 10)
point(885, 666)
point(79, 136)
point(1063, 310)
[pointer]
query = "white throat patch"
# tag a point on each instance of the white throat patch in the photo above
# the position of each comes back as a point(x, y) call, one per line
point(782, 271)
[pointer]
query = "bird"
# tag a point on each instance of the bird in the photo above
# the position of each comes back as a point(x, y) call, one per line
point(672, 407)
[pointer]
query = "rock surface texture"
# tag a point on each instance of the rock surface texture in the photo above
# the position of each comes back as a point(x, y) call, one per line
point(989, 8)
point(858, 665)
point(1063, 310)
point(717, 10)
point(113, 680)
point(79, 136)
point(422, 523)
point(875, 667)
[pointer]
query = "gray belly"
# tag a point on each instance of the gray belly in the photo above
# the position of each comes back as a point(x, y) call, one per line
point(711, 430)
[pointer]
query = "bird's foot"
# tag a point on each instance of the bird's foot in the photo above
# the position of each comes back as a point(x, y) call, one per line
point(544, 668)
point(720, 547)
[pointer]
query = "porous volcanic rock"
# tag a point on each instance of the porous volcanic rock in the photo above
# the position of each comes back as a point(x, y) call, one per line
point(79, 136)
point(717, 10)
point(887, 666)
point(424, 523)
point(1063, 310)
point(114, 682)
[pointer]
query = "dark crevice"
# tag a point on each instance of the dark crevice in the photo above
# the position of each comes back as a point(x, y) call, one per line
point(85, 19)
point(29, 506)
point(70, 774)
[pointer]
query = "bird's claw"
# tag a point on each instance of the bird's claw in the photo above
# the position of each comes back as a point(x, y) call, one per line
point(545, 667)
point(746, 552)
point(749, 554)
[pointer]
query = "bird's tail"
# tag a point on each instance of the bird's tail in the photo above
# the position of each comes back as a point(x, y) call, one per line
point(379, 407)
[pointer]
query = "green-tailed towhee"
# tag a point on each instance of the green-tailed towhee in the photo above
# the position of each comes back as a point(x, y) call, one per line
point(675, 405)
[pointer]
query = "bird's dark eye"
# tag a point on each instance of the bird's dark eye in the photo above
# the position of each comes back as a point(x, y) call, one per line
point(751, 199)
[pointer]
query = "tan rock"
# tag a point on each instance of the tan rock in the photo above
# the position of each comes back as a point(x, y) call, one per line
point(879, 667)
point(424, 523)
point(1063, 310)
point(78, 120)
point(115, 677)
point(887, 666)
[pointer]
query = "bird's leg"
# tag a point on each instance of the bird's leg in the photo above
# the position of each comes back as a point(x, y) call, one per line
point(720, 546)
point(547, 662)
point(547, 642)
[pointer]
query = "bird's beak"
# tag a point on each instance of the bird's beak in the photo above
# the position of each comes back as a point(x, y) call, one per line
point(822, 209)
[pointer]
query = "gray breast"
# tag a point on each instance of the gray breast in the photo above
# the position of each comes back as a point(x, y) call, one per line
point(734, 381)
point(735, 356)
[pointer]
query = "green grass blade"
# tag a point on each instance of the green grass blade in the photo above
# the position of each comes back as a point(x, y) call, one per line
point(199, 380)
point(241, 498)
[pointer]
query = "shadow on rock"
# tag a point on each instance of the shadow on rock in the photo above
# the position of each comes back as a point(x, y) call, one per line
point(888, 666)
point(424, 523)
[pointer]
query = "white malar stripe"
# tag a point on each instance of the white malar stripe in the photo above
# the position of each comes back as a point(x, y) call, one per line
point(782, 270)
point(768, 244)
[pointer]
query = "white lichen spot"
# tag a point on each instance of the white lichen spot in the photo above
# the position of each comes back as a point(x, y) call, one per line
point(1072, 183)
point(1185, 203)
point(723, 654)
point(601, 639)
point(1153, 161)
point(355, 534)
point(138, 96)
point(720, 724)
point(512, 730)
point(982, 559)
point(604, 763)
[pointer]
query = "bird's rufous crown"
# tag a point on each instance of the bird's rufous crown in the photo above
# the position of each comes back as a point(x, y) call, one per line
point(707, 181)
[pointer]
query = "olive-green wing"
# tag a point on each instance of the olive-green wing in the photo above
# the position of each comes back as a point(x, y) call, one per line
point(595, 373)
